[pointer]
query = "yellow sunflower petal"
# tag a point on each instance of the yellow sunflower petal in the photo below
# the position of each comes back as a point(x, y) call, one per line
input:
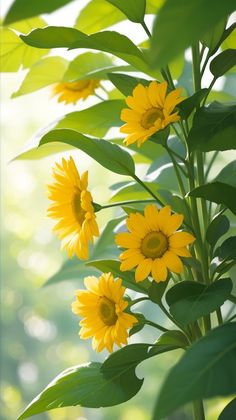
point(174, 222)
point(127, 240)
point(173, 262)
point(143, 270)
point(163, 217)
point(159, 270)
point(180, 239)
point(182, 252)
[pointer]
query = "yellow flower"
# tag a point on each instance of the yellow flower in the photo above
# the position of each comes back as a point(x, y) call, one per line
point(72, 92)
point(72, 207)
point(151, 111)
point(102, 307)
point(153, 244)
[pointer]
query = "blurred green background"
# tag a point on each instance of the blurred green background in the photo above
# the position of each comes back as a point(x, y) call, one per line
point(39, 333)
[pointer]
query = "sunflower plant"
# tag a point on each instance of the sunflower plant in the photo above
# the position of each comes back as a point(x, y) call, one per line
point(171, 243)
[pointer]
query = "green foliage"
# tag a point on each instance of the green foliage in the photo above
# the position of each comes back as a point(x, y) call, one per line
point(223, 62)
point(14, 52)
point(212, 38)
point(207, 369)
point(109, 155)
point(22, 9)
point(229, 411)
point(228, 174)
point(213, 128)
point(227, 250)
point(217, 228)
point(133, 9)
point(92, 66)
point(189, 20)
point(95, 120)
point(157, 290)
point(127, 277)
point(125, 83)
point(189, 104)
point(174, 338)
point(210, 192)
point(46, 72)
point(190, 301)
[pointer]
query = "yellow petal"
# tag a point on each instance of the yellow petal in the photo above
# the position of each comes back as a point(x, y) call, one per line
point(159, 270)
point(163, 217)
point(150, 213)
point(143, 269)
point(182, 252)
point(136, 224)
point(173, 262)
point(180, 239)
point(127, 240)
point(174, 222)
point(131, 262)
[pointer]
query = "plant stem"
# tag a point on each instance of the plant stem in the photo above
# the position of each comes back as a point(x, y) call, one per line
point(219, 316)
point(146, 29)
point(176, 168)
point(148, 190)
point(209, 90)
point(198, 410)
point(211, 163)
point(133, 302)
point(155, 325)
point(122, 203)
point(99, 97)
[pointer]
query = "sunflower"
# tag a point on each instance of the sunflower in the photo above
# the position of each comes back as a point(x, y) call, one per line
point(102, 307)
point(72, 92)
point(151, 111)
point(72, 207)
point(153, 244)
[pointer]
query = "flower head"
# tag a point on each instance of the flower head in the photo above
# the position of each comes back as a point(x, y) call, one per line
point(151, 111)
point(153, 245)
point(102, 307)
point(72, 207)
point(73, 91)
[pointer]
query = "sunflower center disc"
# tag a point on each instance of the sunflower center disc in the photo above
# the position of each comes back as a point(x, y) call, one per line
point(150, 117)
point(154, 245)
point(78, 211)
point(78, 86)
point(107, 311)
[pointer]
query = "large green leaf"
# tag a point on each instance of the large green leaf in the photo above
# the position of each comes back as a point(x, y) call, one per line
point(229, 411)
point(125, 83)
point(190, 301)
point(92, 66)
point(207, 369)
point(228, 174)
point(223, 62)
point(46, 72)
point(218, 192)
point(95, 120)
point(22, 9)
point(97, 385)
point(14, 52)
point(134, 191)
point(127, 277)
point(212, 38)
point(133, 9)
point(180, 24)
point(217, 228)
point(109, 155)
point(214, 128)
point(99, 14)
point(188, 105)
point(107, 41)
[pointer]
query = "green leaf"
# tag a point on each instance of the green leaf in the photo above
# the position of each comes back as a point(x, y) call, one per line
point(134, 191)
point(227, 250)
point(95, 120)
point(127, 277)
point(139, 326)
point(91, 66)
point(14, 52)
point(188, 105)
point(76, 269)
point(217, 228)
point(189, 21)
point(173, 338)
point(99, 14)
point(157, 290)
point(223, 62)
point(207, 369)
point(229, 411)
point(48, 149)
point(214, 128)
point(133, 9)
point(212, 38)
point(107, 41)
point(22, 9)
point(190, 301)
point(109, 155)
point(46, 72)
point(125, 83)
point(228, 174)
point(211, 193)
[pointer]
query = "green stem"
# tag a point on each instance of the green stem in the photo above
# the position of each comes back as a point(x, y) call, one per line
point(146, 29)
point(211, 163)
point(198, 410)
point(99, 97)
point(99, 207)
point(219, 316)
point(148, 190)
point(176, 168)
point(133, 302)
point(155, 325)
point(164, 310)
point(209, 90)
